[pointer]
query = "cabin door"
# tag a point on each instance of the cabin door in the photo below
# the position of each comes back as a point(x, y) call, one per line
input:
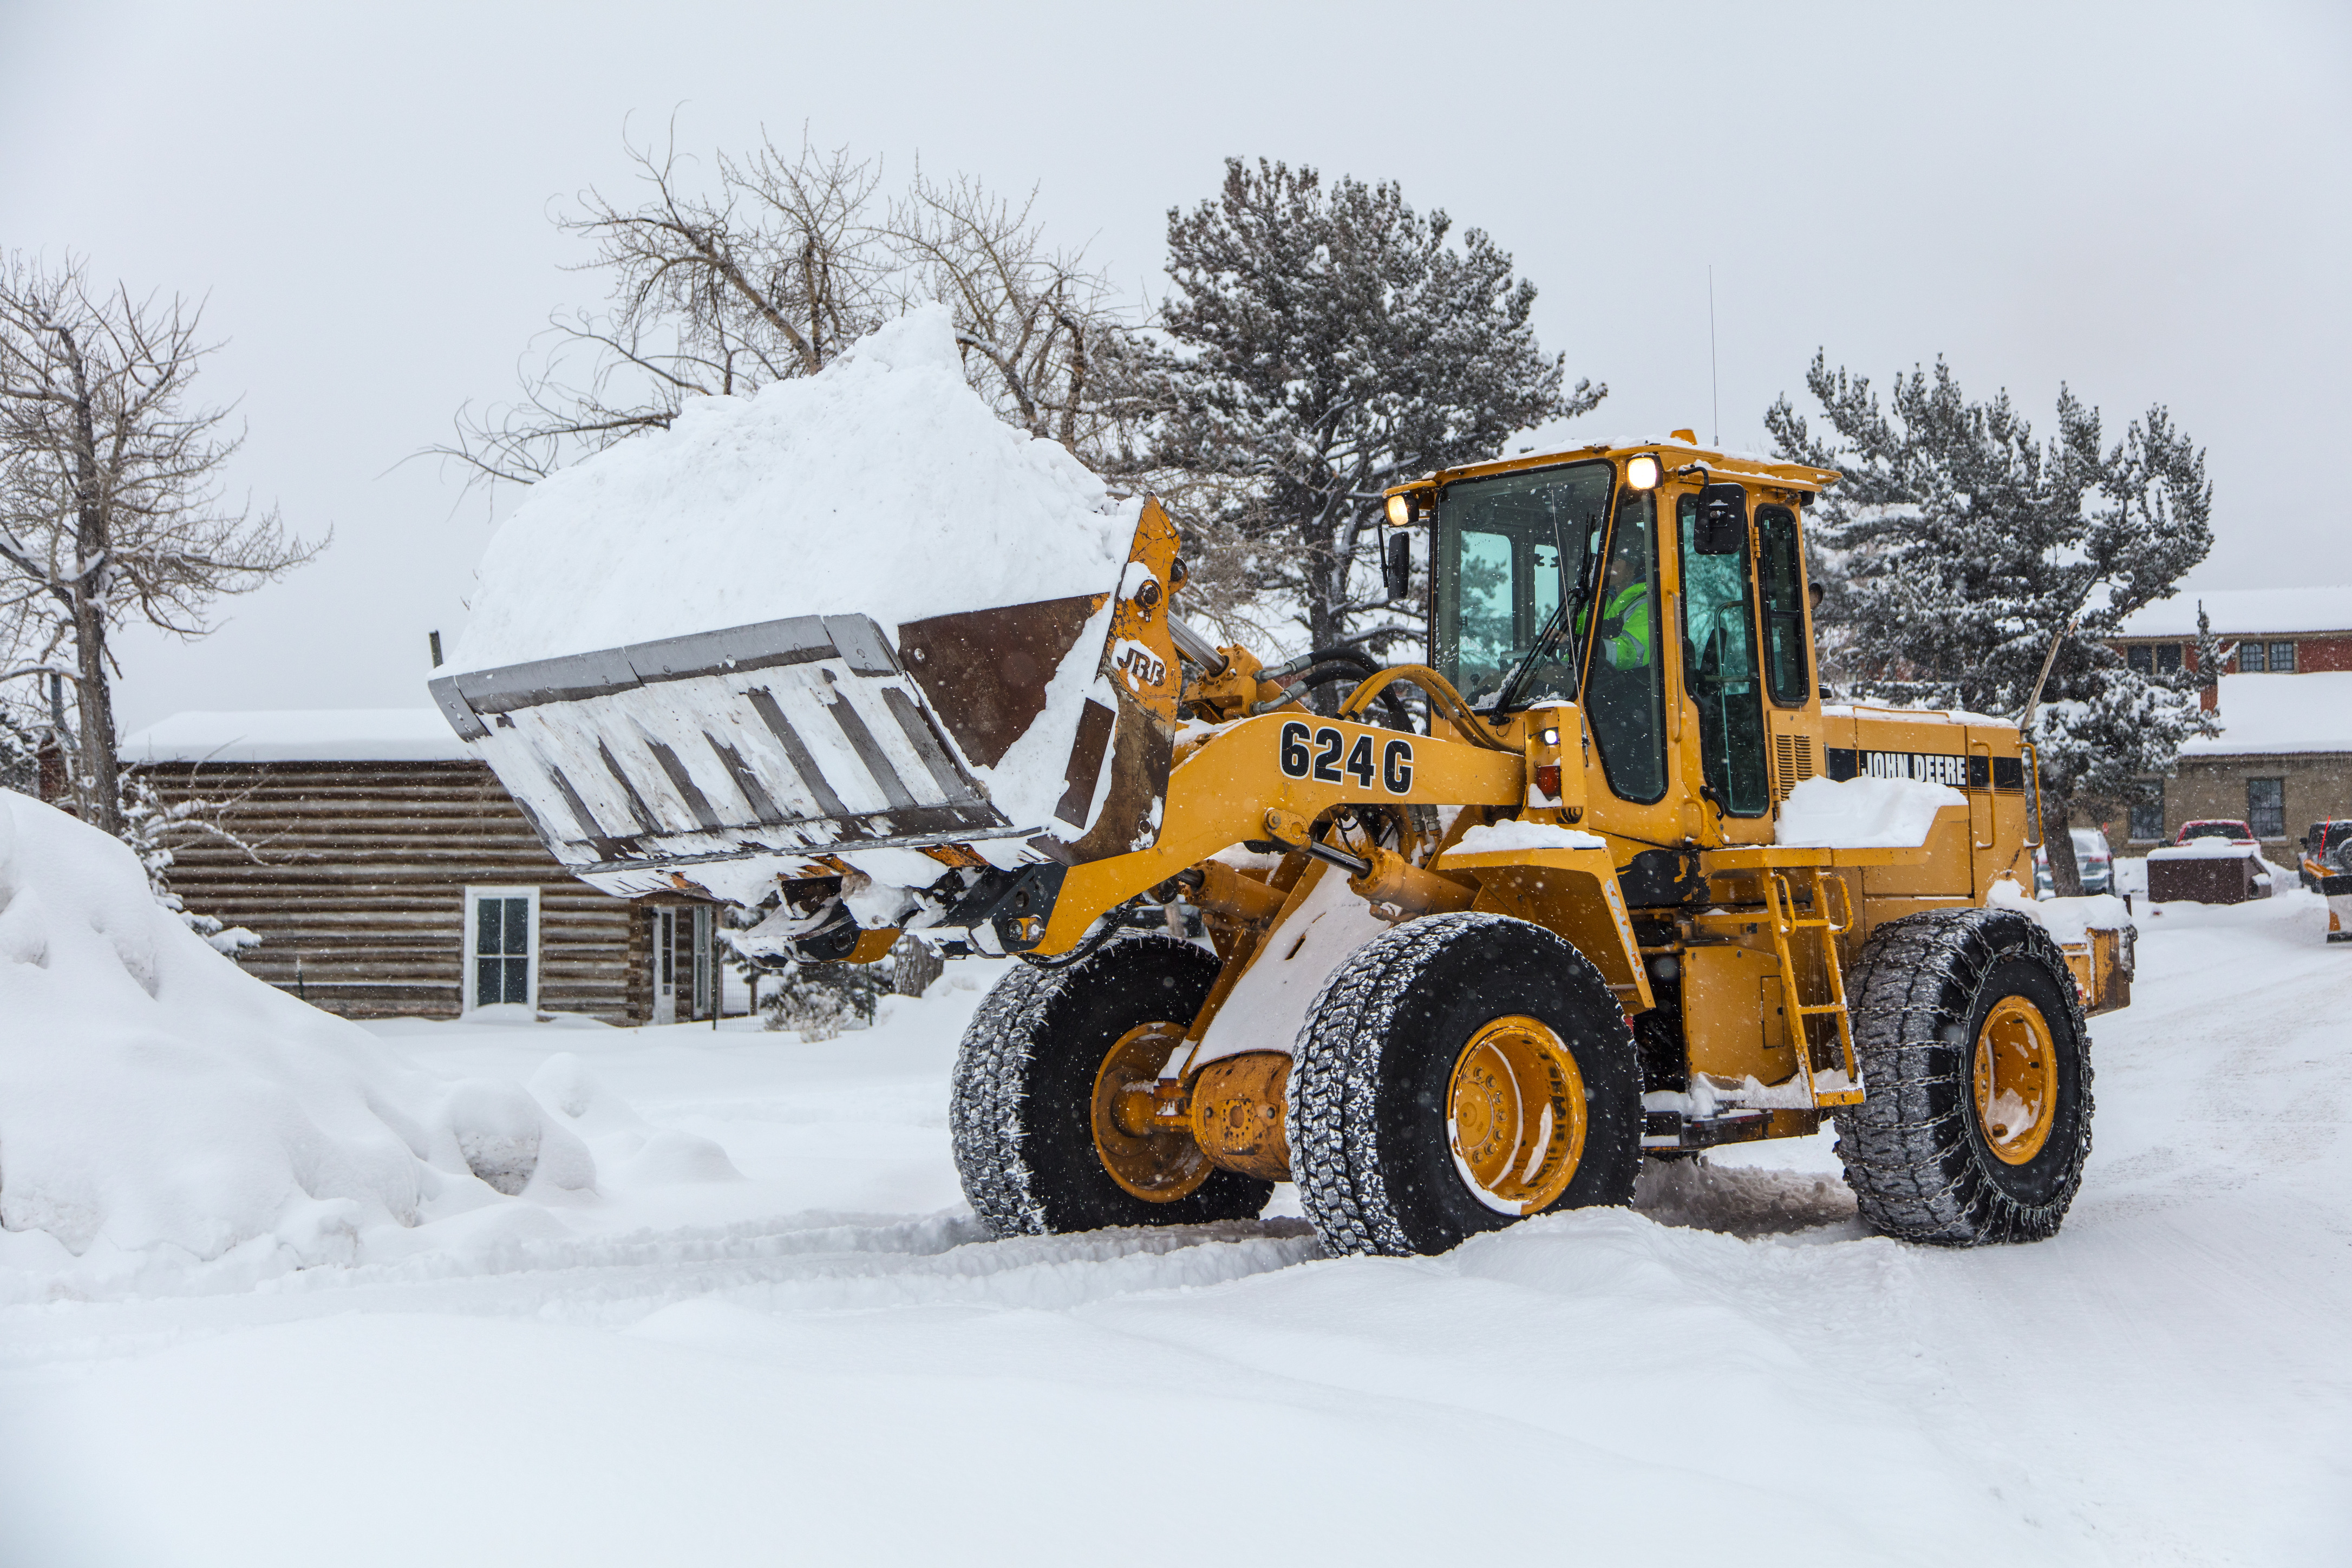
point(664, 957)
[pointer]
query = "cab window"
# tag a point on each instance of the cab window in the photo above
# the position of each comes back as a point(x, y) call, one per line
point(1787, 660)
point(1514, 545)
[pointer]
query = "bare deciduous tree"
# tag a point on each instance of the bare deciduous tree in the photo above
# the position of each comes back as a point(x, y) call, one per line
point(1045, 336)
point(110, 505)
point(783, 263)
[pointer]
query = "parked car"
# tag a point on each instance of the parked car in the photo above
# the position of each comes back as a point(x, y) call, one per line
point(2217, 827)
point(2092, 858)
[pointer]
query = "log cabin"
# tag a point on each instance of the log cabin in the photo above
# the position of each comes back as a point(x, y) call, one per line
point(388, 875)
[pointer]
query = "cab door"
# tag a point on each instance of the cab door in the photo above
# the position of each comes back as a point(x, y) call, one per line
point(1720, 677)
point(1630, 691)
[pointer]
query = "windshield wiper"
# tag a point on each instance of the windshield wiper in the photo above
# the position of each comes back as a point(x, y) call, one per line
point(1507, 695)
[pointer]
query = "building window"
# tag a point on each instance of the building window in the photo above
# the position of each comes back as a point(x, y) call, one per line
point(2250, 660)
point(2168, 657)
point(2267, 807)
point(2281, 658)
point(2148, 813)
point(501, 947)
point(2142, 657)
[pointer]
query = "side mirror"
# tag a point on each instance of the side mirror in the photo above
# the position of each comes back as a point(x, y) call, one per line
point(1396, 565)
point(1722, 520)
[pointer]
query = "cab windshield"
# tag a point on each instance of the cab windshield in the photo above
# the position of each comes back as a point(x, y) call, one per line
point(1514, 546)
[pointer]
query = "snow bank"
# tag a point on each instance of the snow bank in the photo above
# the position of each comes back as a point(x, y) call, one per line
point(880, 486)
point(1496, 837)
point(1863, 814)
point(299, 735)
point(158, 1104)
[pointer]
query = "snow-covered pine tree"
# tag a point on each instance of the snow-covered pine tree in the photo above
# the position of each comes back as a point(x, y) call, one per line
point(1328, 342)
point(1963, 546)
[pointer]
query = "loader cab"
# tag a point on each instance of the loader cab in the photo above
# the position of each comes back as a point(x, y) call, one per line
point(1685, 636)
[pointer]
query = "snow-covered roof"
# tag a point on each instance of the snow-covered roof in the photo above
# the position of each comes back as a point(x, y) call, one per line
point(2281, 713)
point(2244, 612)
point(299, 736)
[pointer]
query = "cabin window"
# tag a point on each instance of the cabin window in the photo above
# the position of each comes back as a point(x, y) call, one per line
point(501, 946)
point(1787, 659)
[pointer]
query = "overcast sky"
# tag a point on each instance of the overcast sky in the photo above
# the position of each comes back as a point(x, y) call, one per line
point(2147, 201)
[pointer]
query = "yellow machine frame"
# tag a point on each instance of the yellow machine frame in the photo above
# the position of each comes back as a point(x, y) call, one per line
point(1761, 957)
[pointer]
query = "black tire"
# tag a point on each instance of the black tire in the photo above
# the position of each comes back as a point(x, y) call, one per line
point(1021, 1110)
point(1369, 1147)
point(1914, 1152)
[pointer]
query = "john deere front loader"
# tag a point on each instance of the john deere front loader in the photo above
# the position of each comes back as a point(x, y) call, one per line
point(1467, 943)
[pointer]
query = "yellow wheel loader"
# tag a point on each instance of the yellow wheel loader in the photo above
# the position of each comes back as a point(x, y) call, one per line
point(1468, 944)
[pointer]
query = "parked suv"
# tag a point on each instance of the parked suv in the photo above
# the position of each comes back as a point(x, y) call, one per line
point(2217, 827)
point(2092, 858)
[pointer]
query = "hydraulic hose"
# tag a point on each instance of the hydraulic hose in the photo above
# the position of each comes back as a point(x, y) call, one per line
point(1328, 663)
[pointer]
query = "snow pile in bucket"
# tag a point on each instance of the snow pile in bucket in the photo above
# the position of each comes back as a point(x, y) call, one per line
point(160, 1107)
point(1863, 814)
point(882, 486)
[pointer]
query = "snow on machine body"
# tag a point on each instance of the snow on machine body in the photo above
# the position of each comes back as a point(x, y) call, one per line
point(1626, 888)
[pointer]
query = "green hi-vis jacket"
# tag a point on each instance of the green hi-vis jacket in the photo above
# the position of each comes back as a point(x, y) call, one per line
point(1627, 645)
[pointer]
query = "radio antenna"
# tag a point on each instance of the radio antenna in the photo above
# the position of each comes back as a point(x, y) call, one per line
point(1714, 380)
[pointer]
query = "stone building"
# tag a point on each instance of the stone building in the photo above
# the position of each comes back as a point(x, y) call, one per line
point(2284, 759)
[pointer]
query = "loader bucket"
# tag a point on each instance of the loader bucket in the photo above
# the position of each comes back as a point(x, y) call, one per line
point(719, 762)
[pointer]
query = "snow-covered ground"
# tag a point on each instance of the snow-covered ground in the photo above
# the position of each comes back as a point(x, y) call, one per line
point(820, 1359)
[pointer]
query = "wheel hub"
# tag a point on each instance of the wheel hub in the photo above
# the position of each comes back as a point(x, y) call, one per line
point(2015, 1080)
point(1159, 1167)
point(1516, 1115)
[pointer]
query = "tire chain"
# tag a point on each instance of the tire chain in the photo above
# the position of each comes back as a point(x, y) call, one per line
point(981, 1117)
point(1335, 1144)
point(984, 1102)
point(1906, 1035)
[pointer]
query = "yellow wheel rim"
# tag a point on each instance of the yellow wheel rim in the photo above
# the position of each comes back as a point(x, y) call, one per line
point(1515, 1113)
point(1158, 1167)
point(2016, 1080)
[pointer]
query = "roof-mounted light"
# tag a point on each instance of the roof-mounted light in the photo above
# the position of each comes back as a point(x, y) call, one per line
point(1642, 471)
point(1399, 511)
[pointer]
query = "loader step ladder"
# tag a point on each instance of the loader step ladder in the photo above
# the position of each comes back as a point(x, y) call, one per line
point(1836, 1085)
